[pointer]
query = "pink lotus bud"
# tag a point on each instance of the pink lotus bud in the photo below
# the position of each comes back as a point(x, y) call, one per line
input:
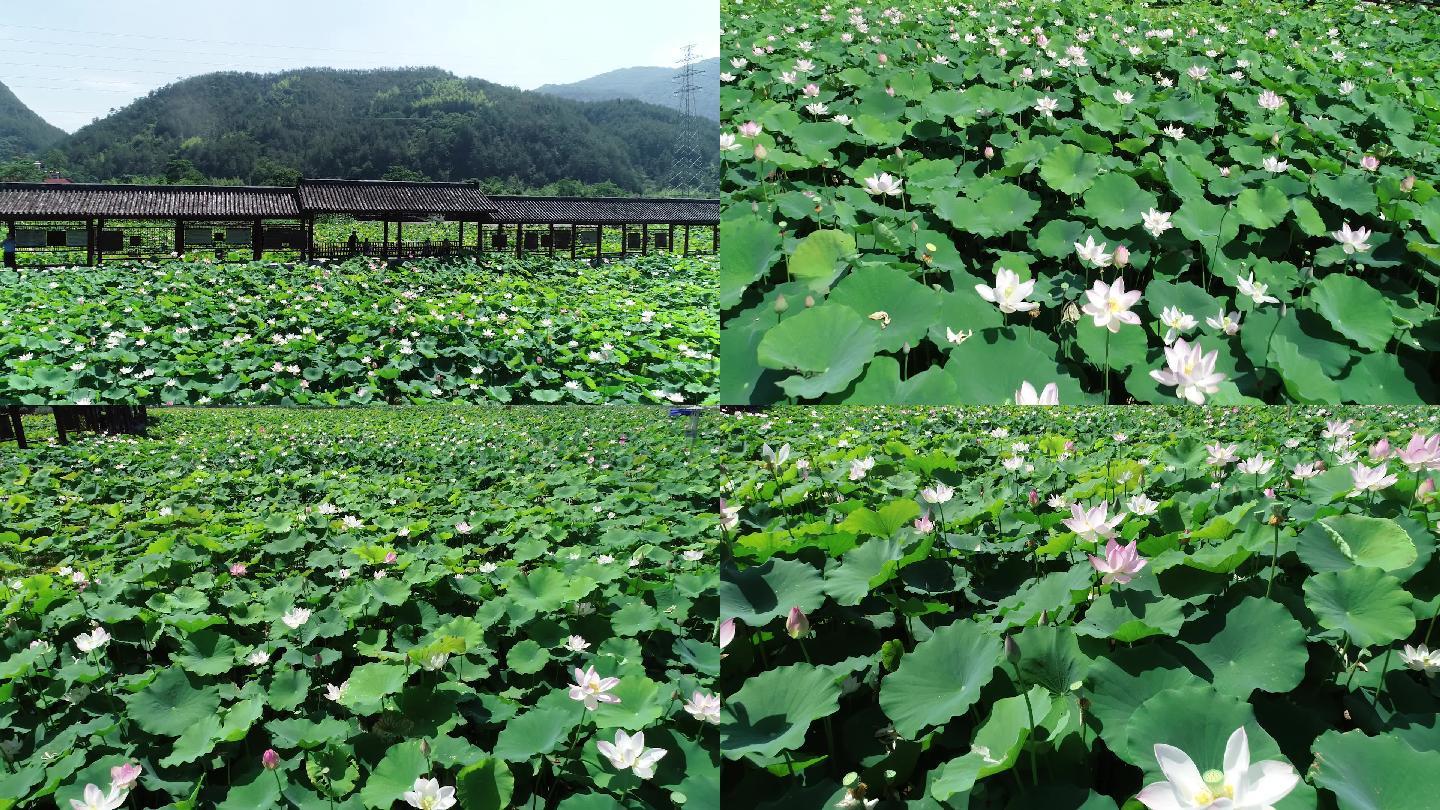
point(1069, 446)
point(796, 624)
point(761, 152)
point(1122, 256)
point(1270, 493)
point(882, 58)
point(889, 91)
point(989, 152)
point(1275, 139)
point(727, 633)
point(809, 301)
point(1012, 650)
point(237, 569)
point(781, 304)
point(1426, 491)
point(1034, 497)
point(1407, 184)
point(390, 558)
point(1225, 171)
point(1381, 450)
point(270, 759)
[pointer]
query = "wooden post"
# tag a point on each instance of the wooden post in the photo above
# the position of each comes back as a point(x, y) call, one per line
point(310, 238)
point(686, 252)
point(644, 239)
point(624, 239)
point(17, 426)
point(60, 426)
point(670, 243)
point(180, 238)
point(89, 243)
point(552, 240)
point(99, 250)
point(400, 239)
point(10, 234)
point(480, 227)
point(715, 239)
point(599, 241)
point(257, 240)
point(572, 239)
point(519, 238)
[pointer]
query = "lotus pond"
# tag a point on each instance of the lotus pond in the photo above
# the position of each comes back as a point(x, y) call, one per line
point(329, 609)
point(361, 332)
point(1081, 608)
point(935, 202)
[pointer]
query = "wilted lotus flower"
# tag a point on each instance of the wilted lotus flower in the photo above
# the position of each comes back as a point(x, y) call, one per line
point(427, 794)
point(1240, 786)
point(629, 753)
point(1093, 524)
point(1370, 479)
point(797, 624)
point(1120, 564)
point(270, 759)
point(591, 689)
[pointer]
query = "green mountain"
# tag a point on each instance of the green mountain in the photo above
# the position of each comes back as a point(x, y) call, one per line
point(22, 132)
point(655, 85)
point(422, 123)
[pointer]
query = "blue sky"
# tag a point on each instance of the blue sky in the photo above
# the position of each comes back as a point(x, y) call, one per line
point(72, 61)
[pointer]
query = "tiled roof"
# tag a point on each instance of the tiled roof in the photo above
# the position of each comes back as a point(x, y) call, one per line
point(391, 197)
point(605, 210)
point(35, 200)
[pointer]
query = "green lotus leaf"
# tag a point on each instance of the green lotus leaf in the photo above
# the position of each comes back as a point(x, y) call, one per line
point(1117, 201)
point(940, 678)
point(172, 703)
point(1340, 542)
point(773, 711)
point(759, 594)
point(911, 306)
point(997, 744)
point(1224, 644)
point(820, 257)
point(1069, 169)
point(1262, 208)
point(1356, 309)
point(1374, 773)
point(1365, 604)
point(394, 775)
point(484, 785)
point(829, 344)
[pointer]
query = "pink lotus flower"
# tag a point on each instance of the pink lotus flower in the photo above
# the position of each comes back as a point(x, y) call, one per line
point(591, 689)
point(123, 777)
point(1122, 256)
point(1034, 498)
point(1426, 491)
point(1121, 563)
point(923, 524)
point(796, 624)
point(810, 90)
point(1421, 452)
point(1092, 524)
point(1369, 163)
point(750, 129)
point(237, 569)
point(1380, 450)
point(390, 558)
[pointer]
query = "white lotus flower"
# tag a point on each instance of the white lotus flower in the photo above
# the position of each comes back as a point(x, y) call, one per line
point(704, 707)
point(1274, 164)
point(1124, 97)
point(1239, 786)
point(1093, 524)
point(728, 142)
point(1218, 453)
point(427, 794)
point(1191, 371)
point(95, 799)
point(591, 689)
point(1370, 479)
point(1347, 87)
point(1047, 106)
point(1049, 395)
point(1352, 241)
point(1197, 72)
point(882, 184)
point(1009, 292)
point(629, 753)
point(1142, 505)
point(1110, 304)
point(773, 457)
point(1421, 659)
point(1227, 323)
point(1093, 253)
point(576, 644)
point(937, 494)
point(1255, 465)
point(1257, 292)
point(1174, 131)
point(1270, 101)
point(1178, 322)
point(1156, 222)
point(87, 642)
point(294, 617)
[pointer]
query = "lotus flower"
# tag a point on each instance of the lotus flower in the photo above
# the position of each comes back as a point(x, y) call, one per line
point(796, 623)
point(1124, 97)
point(1220, 453)
point(774, 458)
point(1370, 163)
point(1047, 106)
point(1255, 465)
point(1009, 292)
point(883, 184)
point(591, 689)
point(1049, 395)
point(1093, 524)
point(88, 642)
point(1240, 786)
point(1191, 371)
point(1421, 659)
point(629, 753)
point(1257, 292)
point(1370, 479)
point(704, 707)
point(1109, 304)
point(124, 777)
point(1421, 452)
point(937, 494)
point(1275, 165)
point(728, 143)
point(729, 516)
point(270, 759)
point(1227, 323)
point(1352, 241)
point(427, 794)
point(727, 633)
point(1120, 564)
point(750, 129)
point(294, 617)
point(1156, 222)
point(1093, 253)
point(95, 799)
point(1270, 101)
point(1177, 323)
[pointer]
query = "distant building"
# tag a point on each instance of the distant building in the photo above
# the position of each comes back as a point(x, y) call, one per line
point(57, 181)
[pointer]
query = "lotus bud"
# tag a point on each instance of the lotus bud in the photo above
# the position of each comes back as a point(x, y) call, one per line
point(781, 304)
point(727, 633)
point(270, 759)
point(1034, 498)
point(760, 151)
point(809, 301)
point(425, 748)
point(1381, 450)
point(1426, 491)
point(796, 624)
point(882, 58)
point(989, 152)
point(1270, 493)
point(1275, 139)
point(1122, 256)
point(1012, 650)
point(1407, 184)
